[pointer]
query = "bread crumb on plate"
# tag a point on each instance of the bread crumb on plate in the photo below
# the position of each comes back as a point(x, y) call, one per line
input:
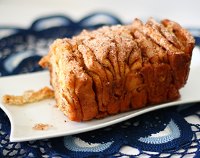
point(29, 96)
point(41, 126)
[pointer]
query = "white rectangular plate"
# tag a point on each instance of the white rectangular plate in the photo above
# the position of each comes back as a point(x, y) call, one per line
point(24, 117)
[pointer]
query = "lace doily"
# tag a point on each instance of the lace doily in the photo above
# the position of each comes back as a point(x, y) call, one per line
point(173, 132)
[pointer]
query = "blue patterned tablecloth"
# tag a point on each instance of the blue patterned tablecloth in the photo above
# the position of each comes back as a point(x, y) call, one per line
point(163, 133)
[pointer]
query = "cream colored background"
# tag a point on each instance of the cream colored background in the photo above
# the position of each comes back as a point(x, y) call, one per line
point(22, 12)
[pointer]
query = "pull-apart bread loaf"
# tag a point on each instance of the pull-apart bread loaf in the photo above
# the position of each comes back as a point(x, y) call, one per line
point(119, 68)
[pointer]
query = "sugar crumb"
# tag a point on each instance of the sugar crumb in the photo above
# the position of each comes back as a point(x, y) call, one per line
point(41, 126)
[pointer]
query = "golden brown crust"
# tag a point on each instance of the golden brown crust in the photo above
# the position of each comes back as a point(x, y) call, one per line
point(182, 34)
point(118, 68)
point(70, 81)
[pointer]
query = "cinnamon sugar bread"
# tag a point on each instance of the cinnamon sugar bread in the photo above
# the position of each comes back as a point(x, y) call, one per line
point(119, 68)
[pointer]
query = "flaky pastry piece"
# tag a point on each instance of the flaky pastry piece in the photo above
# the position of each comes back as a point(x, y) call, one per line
point(29, 96)
point(119, 68)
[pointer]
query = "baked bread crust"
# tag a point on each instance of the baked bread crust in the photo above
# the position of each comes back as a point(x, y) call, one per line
point(119, 68)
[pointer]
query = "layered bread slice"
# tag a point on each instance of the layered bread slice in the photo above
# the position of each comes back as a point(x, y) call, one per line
point(119, 68)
